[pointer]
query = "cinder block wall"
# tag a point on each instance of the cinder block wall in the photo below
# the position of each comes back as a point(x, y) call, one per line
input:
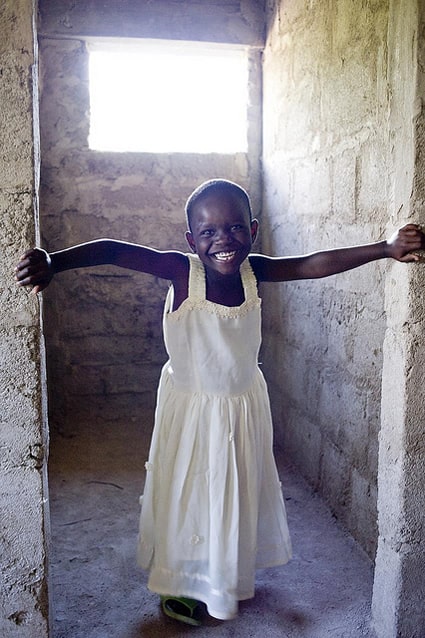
point(326, 184)
point(103, 326)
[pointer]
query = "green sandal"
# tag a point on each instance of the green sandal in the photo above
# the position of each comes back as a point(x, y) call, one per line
point(184, 609)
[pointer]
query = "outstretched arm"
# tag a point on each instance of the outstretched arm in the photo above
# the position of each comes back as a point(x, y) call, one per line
point(36, 267)
point(400, 246)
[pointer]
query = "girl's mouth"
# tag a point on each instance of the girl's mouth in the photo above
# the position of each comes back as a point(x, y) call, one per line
point(225, 256)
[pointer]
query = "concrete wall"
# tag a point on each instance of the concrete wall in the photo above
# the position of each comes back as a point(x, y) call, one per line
point(325, 178)
point(103, 326)
point(23, 594)
point(399, 586)
point(230, 21)
point(344, 163)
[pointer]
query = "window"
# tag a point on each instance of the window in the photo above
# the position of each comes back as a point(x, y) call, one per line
point(162, 97)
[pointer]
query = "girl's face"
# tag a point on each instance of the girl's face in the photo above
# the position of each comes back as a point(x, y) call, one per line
point(221, 233)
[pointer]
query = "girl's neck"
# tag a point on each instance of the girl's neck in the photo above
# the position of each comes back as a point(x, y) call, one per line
point(224, 290)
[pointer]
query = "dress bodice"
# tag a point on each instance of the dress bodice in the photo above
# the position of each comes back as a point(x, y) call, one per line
point(213, 348)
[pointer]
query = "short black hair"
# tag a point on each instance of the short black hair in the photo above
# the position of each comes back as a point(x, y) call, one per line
point(216, 186)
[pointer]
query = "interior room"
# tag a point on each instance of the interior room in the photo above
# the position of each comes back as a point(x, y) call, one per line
point(328, 143)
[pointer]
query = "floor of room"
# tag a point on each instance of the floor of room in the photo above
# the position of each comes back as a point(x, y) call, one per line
point(97, 590)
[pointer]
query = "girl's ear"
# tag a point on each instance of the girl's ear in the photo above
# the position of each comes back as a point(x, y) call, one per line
point(254, 230)
point(190, 241)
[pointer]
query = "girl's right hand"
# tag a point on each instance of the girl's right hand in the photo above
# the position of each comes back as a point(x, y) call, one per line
point(34, 269)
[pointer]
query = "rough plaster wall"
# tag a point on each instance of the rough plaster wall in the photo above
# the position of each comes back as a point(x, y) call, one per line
point(325, 166)
point(103, 326)
point(399, 587)
point(23, 604)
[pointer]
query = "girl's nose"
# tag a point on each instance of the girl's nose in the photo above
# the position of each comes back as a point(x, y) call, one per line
point(222, 235)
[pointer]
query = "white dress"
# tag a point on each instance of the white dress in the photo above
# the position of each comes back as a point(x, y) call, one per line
point(212, 509)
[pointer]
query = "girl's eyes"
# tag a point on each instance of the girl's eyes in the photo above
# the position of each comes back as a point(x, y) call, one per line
point(208, 232)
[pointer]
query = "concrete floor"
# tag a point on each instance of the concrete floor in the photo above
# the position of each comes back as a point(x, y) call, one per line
point(97, 591)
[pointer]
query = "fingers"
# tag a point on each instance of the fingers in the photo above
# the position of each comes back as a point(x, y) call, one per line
point(410, 258)
point(25, 281)
point(411, 230)
point(24, 274)
point(411, 233)
point(34, 270)
point(411, 227)
point(38, 283)
point(31, 256)
point(414, 240)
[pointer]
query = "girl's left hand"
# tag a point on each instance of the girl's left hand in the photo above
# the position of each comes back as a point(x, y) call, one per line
point(403, 244)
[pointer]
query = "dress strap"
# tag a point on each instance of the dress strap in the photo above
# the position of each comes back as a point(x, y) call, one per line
point(249, 281)
point(197, 285)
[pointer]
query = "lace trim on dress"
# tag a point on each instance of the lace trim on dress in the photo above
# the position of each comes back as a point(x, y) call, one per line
point(226, 312)
point(197, 301)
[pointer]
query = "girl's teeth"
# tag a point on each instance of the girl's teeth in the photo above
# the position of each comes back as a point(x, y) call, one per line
point(224, 256)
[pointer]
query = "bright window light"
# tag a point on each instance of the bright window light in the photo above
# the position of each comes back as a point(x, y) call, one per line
point(162, 97)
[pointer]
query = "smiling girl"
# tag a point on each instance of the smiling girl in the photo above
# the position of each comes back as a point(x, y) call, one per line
point(212, 510)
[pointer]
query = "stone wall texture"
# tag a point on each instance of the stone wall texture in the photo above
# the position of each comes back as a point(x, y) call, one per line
point(23, 533)
point(325, 185)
